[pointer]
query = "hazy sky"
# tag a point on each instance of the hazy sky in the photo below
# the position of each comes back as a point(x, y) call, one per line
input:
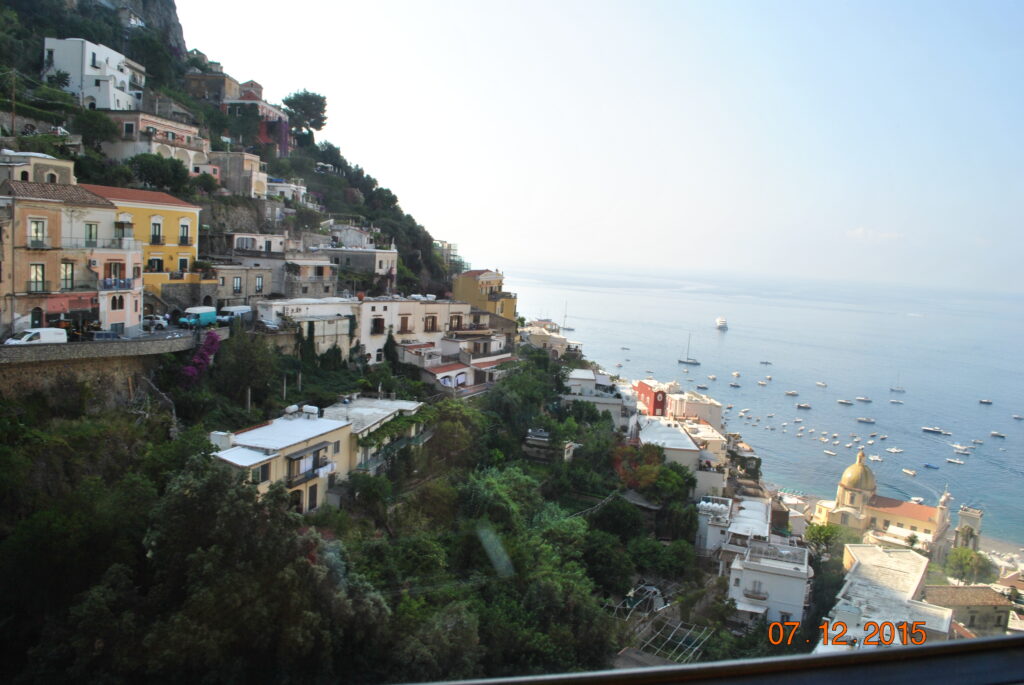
point(830, 139)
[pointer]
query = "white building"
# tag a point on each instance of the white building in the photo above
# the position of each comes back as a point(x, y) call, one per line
point(291, 189)
point(543, 339)
point(884, 586)
point(599, 389)
point(101, 78)
point(694, 405)
point(708, 439)
point(367, 415)
point(771, 581)
point(711, 473)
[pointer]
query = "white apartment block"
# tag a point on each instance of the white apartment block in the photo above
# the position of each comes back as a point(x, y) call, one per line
point(711, 473)
point(771, 581)
point(101, 78)
point(694, 405)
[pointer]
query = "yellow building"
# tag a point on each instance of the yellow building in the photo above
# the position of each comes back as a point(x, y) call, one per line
point(168, 229)
point(484, 290)
point(884, 520)
point(300, 449)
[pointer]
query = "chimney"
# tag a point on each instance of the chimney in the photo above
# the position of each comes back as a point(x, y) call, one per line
point(222, 439)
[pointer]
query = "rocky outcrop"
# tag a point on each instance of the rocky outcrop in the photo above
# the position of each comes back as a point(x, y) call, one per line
point(161, 15)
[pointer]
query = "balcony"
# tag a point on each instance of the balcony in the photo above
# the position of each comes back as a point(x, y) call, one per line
point(404, 331)
point(299, 278)
point(176, 275)
point(37, 286)
point(322, 468)
point(88, 285)
point(184, 240)
point(755, 594)
point(100, 244)
point(116, 284)
point(494, 297)
point(156, 240)
point(38, 243)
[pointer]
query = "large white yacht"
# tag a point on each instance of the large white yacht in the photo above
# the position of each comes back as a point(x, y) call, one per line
point(721, 324)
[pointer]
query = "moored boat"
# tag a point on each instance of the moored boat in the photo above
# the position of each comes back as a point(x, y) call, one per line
point(792, 393)
point(865, 419)
point(910, 472)
point(844, 402)
point(875, 457)
point(734, 385)
point(821, 384)
point(984, 401)
point(803, 406)
point(931, 429)
point(862, 399)
point(702, 387)
point(895, 401)
point(997, 434)
point(930, 466)
point(952, 460)
point(721, 324)
point(893, 450)
point(830, 453)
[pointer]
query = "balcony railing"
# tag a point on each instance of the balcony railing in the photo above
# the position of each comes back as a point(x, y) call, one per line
point(405, 331)
point(37, 286)
point(79, 285)
point(37, 243)
point(156, 240)
point(116, 283)
point(100, 243)
point(176, 275)
point(298, 278)
point(184, 240)
point(322, 467)
point(755, 594)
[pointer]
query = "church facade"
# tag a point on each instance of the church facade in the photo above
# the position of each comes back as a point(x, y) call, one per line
point(884, 520)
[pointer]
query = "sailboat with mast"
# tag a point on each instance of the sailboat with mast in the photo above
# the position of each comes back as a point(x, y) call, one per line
point(565, 318)
point(689, 360)
point(897, 387)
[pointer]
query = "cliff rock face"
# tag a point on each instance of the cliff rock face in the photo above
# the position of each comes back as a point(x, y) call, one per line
point(161, 15)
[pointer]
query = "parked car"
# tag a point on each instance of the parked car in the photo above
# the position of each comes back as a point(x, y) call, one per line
point(197, 317)
point(59, 131)
point(267, 325)
point(103, 335)
point(36, 336)
point(152, 322)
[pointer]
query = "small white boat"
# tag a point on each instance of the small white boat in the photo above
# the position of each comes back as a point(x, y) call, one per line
point(702, 387)
point(846, 402)
point(895, 401)
point(931, 429)
point(798, 420)
point(951, 460)
point(821, 384)
point(734, 385)
point(849, 445)
point(997, 434)
point(767, 378)
point(712, 377)
point(830, 453)
point(910, 472)
point(875, 457)
point(792, 393)
point(962, 450)
point(736, 374)
point(804, 405)
point(1018, 417)
point(882, 437)
point(894, 450)
point(721, 324)
point(762, 383)
point(984, 401)
point(864, 419)
point(871, 442)
point(978, 442)
point(862, 399)
point(916, 500)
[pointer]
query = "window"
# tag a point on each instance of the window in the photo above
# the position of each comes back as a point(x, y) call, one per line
point(970, 622)
point(156, 233)
point(377, 326)
point(49, 57)
point(405, 327)
point(853, 498)
point(137, 271)
point(236, 284)
point(259, 283)
point(305, 289)
point(92, 231)
point(845, 519)
point(67, 276)
point(913, 528)
point(24, 175)
point(928, 531)
point(171, 135)
point(337, 446)
point(183, 235)
point(783, 616)
point(380, 354)
point(260, 474)
point(430, 324)
point(222, 280)
point(183, 264)
point(874, 521)
point(37, 233)
point(92, 61)
point(117, 302)
point(36, 278)
point(327, 288)
point(96, 83)
point(380, 264)
point(736, 582)
point(51, 177)
point(129, 128)
point(312, 497)
point(885, 523)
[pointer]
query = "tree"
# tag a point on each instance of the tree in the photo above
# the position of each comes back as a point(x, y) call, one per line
point(620, 518)
point(307, 112)
point(94, 127)
point(204, 182)
point(963, 563)
point(912, 540)
point(160, 172)
point(59, 79)
point(822, 539)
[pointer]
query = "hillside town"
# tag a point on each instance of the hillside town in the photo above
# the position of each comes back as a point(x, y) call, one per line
point(400, 405)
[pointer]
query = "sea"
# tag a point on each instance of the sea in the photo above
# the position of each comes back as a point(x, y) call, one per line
point(947, 348)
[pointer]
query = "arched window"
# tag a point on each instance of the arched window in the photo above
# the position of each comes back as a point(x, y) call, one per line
point(24, 175)
point(51, 177)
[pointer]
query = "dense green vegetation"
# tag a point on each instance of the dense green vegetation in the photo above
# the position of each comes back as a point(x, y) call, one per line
point(129, 552)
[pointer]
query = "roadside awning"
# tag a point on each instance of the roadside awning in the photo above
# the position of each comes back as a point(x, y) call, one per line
point(752, 608)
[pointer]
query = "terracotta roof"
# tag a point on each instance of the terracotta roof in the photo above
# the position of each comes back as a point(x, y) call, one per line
point(1013, 580)
point(445, 368)
point(477, 272)
point(136, 195)
point(896, 507)
point(964, 596)
point(60, 192)
point(417, 346)
point(961, 631)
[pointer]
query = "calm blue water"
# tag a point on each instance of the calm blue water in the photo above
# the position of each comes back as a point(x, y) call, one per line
point(948, 350)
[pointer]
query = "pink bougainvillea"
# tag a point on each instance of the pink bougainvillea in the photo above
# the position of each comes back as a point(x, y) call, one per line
point(201, 360)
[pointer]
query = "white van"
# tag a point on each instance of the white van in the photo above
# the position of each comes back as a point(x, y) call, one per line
point(229, 314)
point(35, 336)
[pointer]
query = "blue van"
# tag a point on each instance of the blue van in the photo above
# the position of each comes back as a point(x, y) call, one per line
point(198, 317)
